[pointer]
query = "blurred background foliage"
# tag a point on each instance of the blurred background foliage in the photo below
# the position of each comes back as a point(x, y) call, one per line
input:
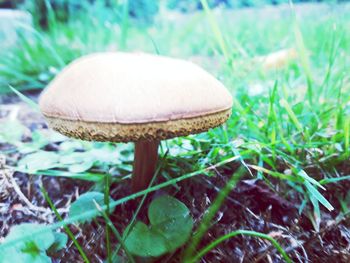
point(144, 10)
point(107, 25)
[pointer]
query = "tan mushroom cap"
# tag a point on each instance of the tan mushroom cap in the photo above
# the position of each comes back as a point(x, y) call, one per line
point(124, 97)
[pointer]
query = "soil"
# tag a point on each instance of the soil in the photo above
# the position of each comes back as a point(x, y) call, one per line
point(251, 205)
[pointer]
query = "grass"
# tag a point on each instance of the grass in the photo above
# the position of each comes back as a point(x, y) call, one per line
point(208, 218)
point(212, 245)
point(290, 126)
point(70, 234)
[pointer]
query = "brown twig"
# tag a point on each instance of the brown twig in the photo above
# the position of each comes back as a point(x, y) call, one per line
point(7, 175)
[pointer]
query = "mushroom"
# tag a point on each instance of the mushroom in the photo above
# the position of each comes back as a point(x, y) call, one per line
point(134, 97)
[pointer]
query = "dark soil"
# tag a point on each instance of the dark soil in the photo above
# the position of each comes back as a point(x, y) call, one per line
point(251, 205)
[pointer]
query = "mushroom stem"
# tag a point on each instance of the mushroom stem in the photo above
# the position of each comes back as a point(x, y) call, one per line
point(145, 163)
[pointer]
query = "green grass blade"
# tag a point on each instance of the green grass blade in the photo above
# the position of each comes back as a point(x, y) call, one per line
point(115, 232)
point(316, 194)
point(334, 180)
point(124, 25)
point(88, 176)
point(306, 177)
point(274, 174)
point(303, 55)
point(106, 202)
point(47, 44)
point(26, 99)
point(216, 242)
point(205, 223)
point(70, 234)
point(284, 103)
point(347, 136)
point(216, 31)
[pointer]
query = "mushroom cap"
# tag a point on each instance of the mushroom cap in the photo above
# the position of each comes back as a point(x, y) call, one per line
point(122, 97)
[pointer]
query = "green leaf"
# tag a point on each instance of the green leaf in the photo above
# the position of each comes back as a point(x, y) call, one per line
point(32, 249)
point(77, 162)
point(145, 242)
point(43, 240)
point(39, 140)
point(61, 240)
point(171, 226)
point(13, 255)
point(39, 258)
point(11, 132)
point(86, 203)
point(169, 216)
point(41, 160)
point(75, 157)
point(105, 155)
point(71, 145)
point(80, 167)
point(317, 195)
point(16, 256)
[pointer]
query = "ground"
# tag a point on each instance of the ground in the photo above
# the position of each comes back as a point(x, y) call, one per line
point(251, 205)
